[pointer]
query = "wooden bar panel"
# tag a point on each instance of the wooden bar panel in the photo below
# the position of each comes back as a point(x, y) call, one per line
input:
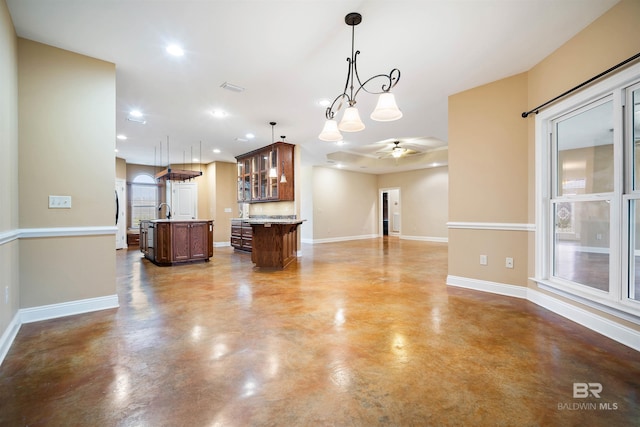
point(274, 245)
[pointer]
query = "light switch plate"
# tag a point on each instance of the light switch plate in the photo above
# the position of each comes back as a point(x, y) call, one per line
point(59, 202)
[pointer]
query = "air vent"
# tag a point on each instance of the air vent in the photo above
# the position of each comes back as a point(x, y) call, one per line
point(136, 120)
point(232, 87)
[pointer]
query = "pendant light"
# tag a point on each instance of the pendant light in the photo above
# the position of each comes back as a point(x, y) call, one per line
point(386, 108)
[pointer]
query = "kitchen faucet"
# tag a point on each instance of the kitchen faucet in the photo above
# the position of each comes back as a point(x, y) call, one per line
point(168, 209)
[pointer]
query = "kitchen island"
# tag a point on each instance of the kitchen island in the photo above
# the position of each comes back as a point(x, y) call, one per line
point(169, 241)
point(274, 241)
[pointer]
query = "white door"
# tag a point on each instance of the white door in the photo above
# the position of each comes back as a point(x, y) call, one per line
point(184, 200)
point(121, 218)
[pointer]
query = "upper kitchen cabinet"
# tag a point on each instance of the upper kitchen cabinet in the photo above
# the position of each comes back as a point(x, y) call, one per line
point(266, 174)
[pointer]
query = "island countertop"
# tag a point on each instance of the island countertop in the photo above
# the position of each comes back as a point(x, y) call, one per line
point(178, 220)
point(259, 221)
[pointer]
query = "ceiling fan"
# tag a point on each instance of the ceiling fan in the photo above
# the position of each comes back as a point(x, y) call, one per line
point(396, 151)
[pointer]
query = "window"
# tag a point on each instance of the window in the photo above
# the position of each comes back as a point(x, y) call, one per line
point(143, 199)
point(588, 195)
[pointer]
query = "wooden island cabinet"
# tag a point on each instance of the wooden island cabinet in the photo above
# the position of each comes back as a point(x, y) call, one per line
point(169, 242)
point(275, 242)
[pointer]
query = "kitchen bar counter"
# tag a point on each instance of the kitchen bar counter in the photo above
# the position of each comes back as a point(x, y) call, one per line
point(274, 241)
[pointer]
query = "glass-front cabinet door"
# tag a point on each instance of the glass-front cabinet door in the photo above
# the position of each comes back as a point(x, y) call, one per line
point(240, 181)
point(266, 174)
point(263, 159)
point(273, 173)
point(255, 178)
point(247, 180)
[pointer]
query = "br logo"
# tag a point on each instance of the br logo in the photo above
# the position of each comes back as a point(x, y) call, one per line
point(584, 390)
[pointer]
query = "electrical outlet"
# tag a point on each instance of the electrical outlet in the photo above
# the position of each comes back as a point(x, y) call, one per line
point(508, 262)
point(483, 260)
point(59, 202)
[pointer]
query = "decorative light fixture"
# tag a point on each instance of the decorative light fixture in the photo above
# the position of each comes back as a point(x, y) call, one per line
point(386, 108)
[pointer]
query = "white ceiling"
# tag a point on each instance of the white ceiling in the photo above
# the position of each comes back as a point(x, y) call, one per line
point(290, 54)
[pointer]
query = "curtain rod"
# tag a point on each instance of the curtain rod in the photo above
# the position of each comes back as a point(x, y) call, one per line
point(615, 67)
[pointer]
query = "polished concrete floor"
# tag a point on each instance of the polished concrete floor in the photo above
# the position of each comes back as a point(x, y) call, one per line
point(360, 333)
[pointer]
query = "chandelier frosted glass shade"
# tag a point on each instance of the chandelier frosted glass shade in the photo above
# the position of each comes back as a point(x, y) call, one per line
point(351, 121)
point(330, 132)
point(386, 109)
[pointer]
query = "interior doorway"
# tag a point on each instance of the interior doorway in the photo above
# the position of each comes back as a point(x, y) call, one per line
point(390, 212)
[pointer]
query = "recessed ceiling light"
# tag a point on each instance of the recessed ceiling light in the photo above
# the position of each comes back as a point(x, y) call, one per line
point(121, 137)
point(219, 113)
point(195, 159)
point(135, 113)
point(175, 50)
point(116, 150)
point(324, 103)
point(215, 150)
point(340, 142)
point(250, 136)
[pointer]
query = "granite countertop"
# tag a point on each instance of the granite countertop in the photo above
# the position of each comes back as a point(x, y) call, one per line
point(179, 220)
point(258, 221)
point(272, 219)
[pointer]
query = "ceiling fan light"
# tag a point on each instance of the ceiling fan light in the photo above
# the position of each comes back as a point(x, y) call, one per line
point(386, 108)
point(351, 121)
point(397, 152)
point(330, 132)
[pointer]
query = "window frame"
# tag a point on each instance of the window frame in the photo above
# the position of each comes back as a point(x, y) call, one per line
point(616, 301)
point(130, 192)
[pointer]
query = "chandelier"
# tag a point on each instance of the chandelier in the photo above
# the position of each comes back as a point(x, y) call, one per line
point(386, 109)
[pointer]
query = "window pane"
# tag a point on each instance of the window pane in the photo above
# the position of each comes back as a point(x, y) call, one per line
point(581, 244)
point(635, 130)
point(585, 151)
point(634, 251)
point(143, 199)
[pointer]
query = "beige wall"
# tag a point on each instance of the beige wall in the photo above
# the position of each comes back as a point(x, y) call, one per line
point(224, 200)
point(488, 180)
point(344, 204)
point(424, 197)
point(67, 141)
point(121, 168)
point(488, 155)
point(9, 245)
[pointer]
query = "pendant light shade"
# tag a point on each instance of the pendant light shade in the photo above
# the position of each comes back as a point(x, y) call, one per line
point(351, 121)
point(330, 132)
point(386, 109)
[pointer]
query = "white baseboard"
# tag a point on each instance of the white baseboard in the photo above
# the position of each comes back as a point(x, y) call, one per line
point(485, 286)
point(8, 336)
point(340, 239)
point(221, 244)
point(599, 324)
point(52, 311)
point(425, 239)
